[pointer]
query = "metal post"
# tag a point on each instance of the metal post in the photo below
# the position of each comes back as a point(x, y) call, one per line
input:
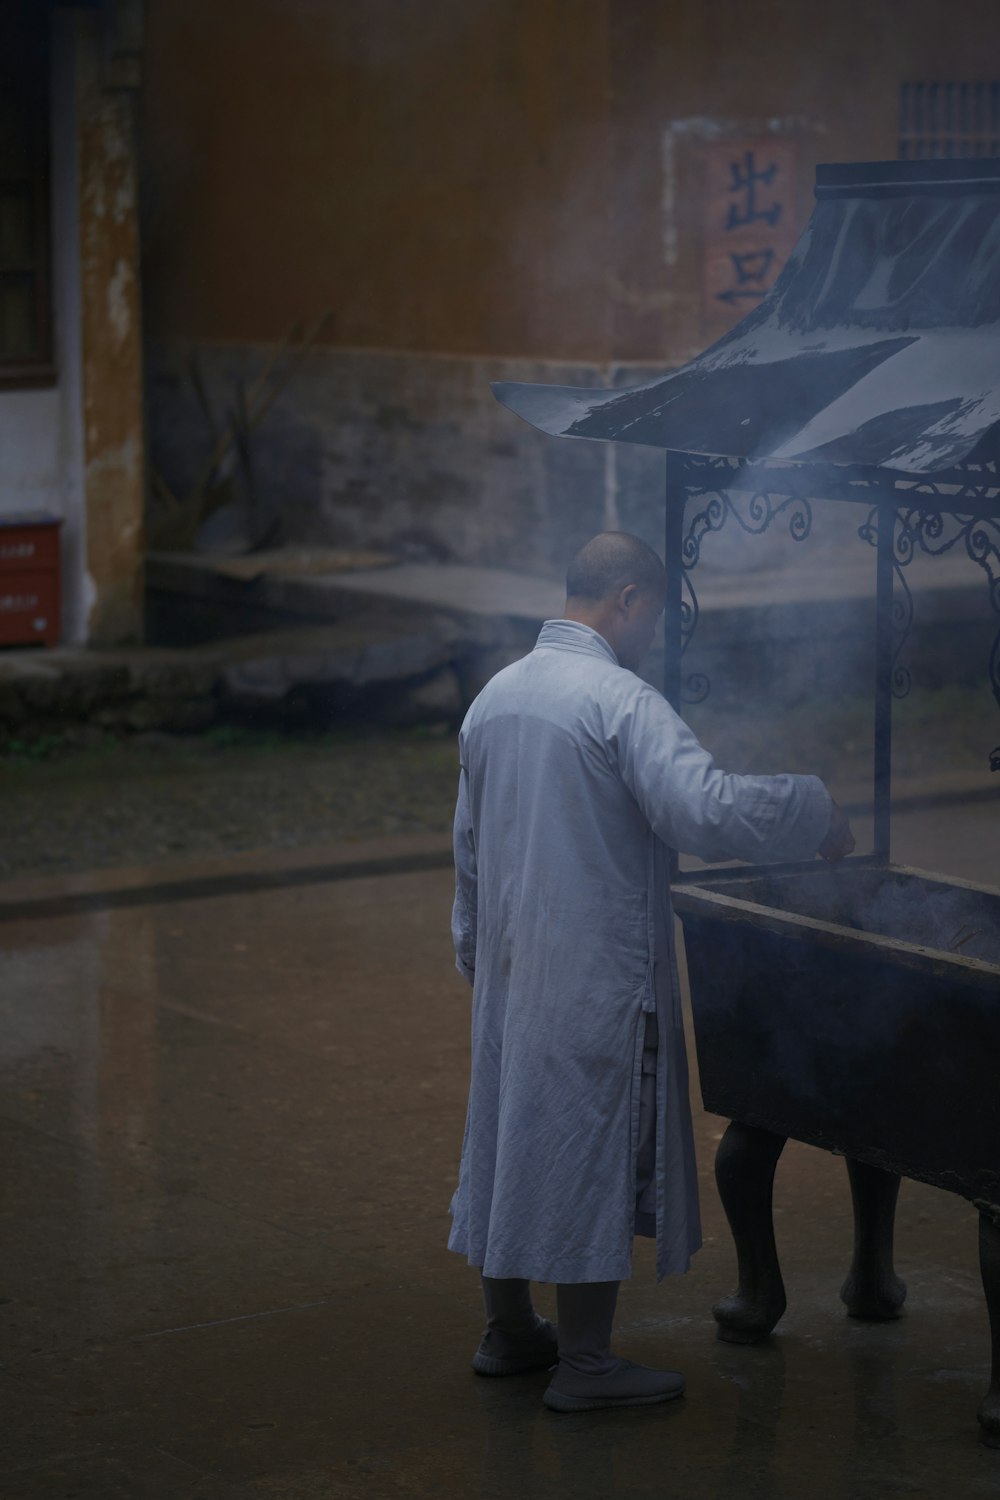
point(673, 539)
point(673, 641)
point(883, 680)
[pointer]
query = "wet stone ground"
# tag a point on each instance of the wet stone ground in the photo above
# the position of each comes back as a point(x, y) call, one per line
point(230, 1122)
point(230, 1127)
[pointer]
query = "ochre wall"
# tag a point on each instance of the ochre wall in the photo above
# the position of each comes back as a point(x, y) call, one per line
point(487, 176)
point(433, 172)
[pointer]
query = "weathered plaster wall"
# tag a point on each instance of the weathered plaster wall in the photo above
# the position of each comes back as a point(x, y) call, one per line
point(405, 451)
point(111, 344)
point(411, 453)
point(476, 188)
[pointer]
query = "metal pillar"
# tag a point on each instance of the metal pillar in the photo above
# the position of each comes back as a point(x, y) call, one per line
point(673, 640)
point(883, 679)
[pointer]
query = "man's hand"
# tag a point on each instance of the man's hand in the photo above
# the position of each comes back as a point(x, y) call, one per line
point(839, 838)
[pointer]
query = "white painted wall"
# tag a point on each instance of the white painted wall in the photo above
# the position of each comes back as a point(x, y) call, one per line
point(41, 431)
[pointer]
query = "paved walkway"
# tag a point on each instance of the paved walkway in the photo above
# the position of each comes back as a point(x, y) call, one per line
point(230, 1113)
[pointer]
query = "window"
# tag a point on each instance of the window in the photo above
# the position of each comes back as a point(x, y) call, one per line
point(25, 307)
point(949, 119)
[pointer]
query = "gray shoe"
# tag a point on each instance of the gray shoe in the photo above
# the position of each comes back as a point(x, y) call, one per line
point(505, 1354)
point(626, 1385)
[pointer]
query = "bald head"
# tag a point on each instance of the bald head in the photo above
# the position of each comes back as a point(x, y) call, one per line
point(608, 563)
point(615, 584)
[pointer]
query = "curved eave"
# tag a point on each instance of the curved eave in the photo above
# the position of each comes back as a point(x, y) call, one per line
point(551, 408)
point(857, 356)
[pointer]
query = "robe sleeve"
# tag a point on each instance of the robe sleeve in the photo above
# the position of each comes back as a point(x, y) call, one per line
point(697, 809)
point(464, 911)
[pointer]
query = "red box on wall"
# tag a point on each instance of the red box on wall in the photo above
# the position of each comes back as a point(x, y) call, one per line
point(29, 579)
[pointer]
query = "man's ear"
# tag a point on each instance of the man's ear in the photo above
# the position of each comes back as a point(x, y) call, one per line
point(627, 596)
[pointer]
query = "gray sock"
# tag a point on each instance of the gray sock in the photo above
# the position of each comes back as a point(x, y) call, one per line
point(508, 1307)
point(586, 1315)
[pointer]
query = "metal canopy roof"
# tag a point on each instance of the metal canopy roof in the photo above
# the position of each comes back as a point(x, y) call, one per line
point(878, 344)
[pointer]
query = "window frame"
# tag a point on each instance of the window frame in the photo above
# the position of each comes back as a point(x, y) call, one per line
point(948, 118)
point(37, 369)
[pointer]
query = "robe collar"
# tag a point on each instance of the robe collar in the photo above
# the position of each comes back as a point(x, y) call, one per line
point(570, 635)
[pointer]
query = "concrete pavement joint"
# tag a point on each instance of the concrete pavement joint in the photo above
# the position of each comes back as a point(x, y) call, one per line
point(242, 883)
point(270, 1312)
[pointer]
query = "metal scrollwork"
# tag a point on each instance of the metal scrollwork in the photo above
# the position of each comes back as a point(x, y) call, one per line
point(696, 686)
point(966, 484)
point(755, 516)
point(936, 531)
point(760, 512)
point(957, 507)
point(903, 543)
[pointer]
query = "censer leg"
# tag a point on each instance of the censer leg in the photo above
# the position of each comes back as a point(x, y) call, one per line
point(872, 1289)
point(989, 1260)
point(744, 1171)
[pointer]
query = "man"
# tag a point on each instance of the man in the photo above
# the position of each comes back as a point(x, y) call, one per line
point(577, 779)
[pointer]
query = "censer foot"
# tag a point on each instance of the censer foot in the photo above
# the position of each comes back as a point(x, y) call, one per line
point(872, 1290)
point(744, 1170)
point(742, 1321)
point(989, 1261)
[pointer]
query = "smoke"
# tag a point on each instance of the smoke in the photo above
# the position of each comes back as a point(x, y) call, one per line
point(953, 920)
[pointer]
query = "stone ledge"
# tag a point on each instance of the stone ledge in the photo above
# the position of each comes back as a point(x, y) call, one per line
point(415, 643)
point(405, 671)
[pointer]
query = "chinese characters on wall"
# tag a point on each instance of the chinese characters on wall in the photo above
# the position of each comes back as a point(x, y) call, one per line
point(750, 224)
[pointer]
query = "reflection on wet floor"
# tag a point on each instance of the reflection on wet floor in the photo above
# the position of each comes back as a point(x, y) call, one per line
point(230, 1129)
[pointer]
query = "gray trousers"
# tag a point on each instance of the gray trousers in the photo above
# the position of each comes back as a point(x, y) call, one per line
point(646, 1160)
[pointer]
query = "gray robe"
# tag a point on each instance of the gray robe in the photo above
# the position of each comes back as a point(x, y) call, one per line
point(577, 777)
